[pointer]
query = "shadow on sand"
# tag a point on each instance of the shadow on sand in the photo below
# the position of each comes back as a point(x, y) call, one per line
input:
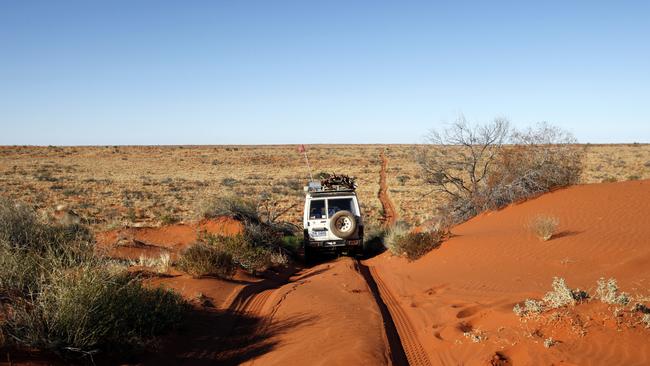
point(221, 337)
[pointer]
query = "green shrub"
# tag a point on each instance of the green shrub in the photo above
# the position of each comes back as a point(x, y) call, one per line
point(90, 309)
point(231, 206)
point(203, 259)
point(56, 295)
point(261, 245)
point(258, 234)
point(292, 243)
point(18, 225)
point(243, 252)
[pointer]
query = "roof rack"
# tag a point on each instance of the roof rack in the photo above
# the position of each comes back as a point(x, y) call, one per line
point(316, 188)
point(343, 192)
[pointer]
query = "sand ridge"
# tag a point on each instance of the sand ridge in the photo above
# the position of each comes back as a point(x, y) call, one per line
point(470, 284)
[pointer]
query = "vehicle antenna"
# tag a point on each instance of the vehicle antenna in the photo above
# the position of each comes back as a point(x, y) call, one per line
point(301, 149)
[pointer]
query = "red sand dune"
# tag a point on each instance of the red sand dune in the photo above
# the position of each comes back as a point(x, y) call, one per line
point(493, 261)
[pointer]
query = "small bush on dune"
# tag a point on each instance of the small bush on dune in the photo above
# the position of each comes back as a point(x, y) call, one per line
point(531, 306)
point(410, 244)
point(202, 259)
point(415, 245)
point(562, 295)
point(607, 292)
point(393, 235)
point(544, 226)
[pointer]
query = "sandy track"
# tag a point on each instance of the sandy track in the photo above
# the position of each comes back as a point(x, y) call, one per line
point(409, 342)
point(324, 315)
point(250, 303)
point(390, 214)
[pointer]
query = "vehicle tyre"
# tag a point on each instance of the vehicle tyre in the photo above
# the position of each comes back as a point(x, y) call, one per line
point(307, 254)
point(343, 224)
point(354, 252)
point(306, 250)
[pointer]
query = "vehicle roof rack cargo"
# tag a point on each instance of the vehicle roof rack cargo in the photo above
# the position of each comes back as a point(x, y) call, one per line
point(318, 188)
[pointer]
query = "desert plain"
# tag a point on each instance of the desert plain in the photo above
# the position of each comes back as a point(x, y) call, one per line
point(455, 305)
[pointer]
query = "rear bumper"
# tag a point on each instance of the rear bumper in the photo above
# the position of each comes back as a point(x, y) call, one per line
point(332, 244)
point(355, 241)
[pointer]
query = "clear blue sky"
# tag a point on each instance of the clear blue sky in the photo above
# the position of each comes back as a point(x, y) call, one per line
point(222, 72)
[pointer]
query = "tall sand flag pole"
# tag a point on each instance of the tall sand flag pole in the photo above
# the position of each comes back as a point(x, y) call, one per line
point(301, 149)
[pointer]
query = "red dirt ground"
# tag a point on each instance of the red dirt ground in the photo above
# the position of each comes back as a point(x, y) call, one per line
point(387, 310)
point(130, 243)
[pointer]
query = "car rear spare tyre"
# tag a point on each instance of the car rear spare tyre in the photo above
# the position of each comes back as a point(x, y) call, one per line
point(343, 224)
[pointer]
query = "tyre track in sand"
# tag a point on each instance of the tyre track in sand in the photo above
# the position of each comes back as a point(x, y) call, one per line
point(390, 214)
point(405, 347)
point(403, 341)
point(252, 301)
point(248, 304)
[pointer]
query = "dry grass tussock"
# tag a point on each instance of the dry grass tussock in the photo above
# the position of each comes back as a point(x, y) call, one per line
point(400, 241)
point(160, 264)
point(544, 226)
point(57, 296)
point(203, 259)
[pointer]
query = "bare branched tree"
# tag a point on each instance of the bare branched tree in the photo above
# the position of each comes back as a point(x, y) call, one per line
point(458, 160)
point(481, 167)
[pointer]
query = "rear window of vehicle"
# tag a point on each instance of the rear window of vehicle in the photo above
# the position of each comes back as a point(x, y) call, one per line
point(339, 204)
point(317, 209)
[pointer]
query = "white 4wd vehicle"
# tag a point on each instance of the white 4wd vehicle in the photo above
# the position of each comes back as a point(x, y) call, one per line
point(332, 221)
